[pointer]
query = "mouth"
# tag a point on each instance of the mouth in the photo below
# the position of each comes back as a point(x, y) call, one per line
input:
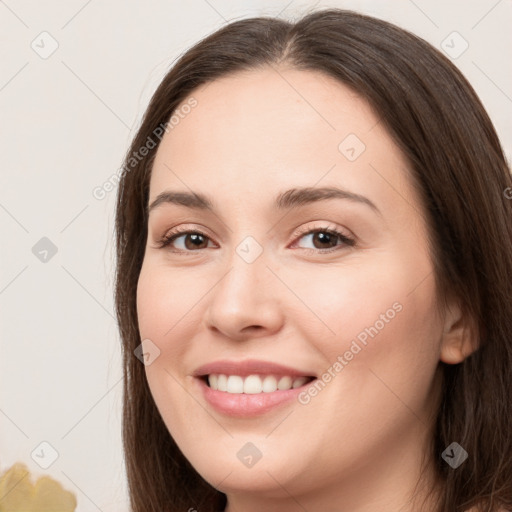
point(255, 383)
point(249, 388)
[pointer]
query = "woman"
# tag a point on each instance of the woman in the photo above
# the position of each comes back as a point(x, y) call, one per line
point(314, 241)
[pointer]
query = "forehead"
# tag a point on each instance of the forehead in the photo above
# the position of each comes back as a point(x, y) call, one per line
point(275, 128)
point(266, 99)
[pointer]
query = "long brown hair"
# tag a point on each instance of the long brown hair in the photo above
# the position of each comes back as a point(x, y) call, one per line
point(457, 165)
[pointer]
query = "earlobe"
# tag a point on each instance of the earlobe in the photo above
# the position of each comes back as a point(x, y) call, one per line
point(458, 339)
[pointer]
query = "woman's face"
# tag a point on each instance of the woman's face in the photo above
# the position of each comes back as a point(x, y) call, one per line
point(267, 289)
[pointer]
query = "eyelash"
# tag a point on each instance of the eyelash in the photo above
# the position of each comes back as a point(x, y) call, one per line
point(168, 238)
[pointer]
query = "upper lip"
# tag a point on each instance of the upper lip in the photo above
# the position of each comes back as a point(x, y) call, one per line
point(248, 367)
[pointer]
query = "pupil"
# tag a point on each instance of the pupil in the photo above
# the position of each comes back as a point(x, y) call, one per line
point(325, 238)
point(196, 238)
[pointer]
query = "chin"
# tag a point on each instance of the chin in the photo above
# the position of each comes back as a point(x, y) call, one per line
point(239, 465)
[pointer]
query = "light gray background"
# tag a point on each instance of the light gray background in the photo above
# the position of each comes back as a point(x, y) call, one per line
point(65, 124)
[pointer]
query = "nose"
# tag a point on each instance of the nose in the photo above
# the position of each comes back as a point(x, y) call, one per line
point(245, 303)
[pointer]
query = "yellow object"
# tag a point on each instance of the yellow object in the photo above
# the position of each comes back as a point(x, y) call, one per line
point(18, 494)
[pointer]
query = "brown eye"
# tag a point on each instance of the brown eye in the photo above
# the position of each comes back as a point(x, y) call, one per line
point(326, 239)
point(192, 240)
point(196, 241)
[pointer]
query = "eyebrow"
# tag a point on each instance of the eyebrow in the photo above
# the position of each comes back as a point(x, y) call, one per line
point(287, 200)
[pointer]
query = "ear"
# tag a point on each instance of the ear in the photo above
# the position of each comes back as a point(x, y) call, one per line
point(459, 338)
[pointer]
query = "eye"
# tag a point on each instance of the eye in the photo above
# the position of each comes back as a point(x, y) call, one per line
point(196, 238)
point(325, 239)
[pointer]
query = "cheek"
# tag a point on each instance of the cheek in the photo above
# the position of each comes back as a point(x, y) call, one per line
point(153, 297)
point(382, 358)
point(158, 314)
point(379, 313)
point(165, 302)
point(159, 310)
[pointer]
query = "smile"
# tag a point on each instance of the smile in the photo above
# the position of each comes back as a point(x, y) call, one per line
point(254, 384)
point(249, 388)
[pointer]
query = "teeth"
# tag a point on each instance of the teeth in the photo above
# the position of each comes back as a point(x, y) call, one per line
point(212, 380)
point(297, 383)
point(235, 384)
point(269, 384)
point(254, 384)
point(222, 383)
point(285, 383)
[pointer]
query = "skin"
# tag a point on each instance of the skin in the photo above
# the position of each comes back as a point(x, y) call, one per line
point(357, 445)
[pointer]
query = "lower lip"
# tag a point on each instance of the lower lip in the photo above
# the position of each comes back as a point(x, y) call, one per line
point(245, 405)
